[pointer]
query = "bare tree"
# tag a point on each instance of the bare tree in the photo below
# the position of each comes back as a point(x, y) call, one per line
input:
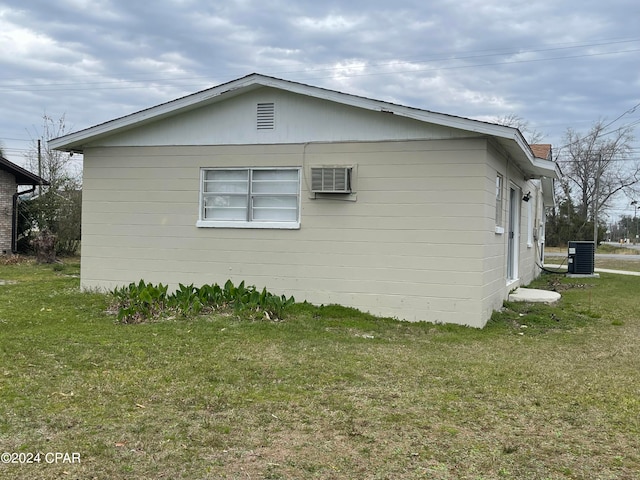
point(597, 167)
point(56, 210)
point(532, 135)
point(54, 166)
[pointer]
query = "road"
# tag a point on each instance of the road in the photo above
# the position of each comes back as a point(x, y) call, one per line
point(617, 256)
point(606, 255)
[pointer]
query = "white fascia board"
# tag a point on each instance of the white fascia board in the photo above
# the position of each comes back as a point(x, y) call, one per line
point(548, 193)
point(442, 119)
point(546, 168)
point(77, 139)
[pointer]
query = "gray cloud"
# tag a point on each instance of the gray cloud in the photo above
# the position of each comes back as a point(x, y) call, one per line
point(555, 64)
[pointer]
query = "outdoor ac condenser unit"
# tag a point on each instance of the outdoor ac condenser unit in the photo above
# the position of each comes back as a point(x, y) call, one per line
point(581, 258)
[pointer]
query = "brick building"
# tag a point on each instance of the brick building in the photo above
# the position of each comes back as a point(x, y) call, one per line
point(11, 176)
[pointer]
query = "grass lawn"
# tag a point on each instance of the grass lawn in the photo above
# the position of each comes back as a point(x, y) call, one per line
point(541, 393)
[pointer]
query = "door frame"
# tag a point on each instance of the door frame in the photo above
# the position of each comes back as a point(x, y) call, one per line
point(513, 230)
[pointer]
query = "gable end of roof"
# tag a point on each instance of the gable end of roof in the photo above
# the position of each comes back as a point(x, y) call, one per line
point(510, 137)
point(23, 176)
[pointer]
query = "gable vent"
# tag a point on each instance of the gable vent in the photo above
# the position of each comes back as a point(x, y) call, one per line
point(266, 116)
point(331, 180)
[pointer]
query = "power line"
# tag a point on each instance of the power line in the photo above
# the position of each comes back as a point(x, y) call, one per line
point(628, 112)
point(629, 125)
point(445, 56)
point(97, 85)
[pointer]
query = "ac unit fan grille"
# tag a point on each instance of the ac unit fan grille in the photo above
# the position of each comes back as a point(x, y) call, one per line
point(331, 180)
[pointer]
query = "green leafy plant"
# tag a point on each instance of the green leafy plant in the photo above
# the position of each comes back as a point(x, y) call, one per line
point(186, 300)
point(139, 302)
point(144, 301)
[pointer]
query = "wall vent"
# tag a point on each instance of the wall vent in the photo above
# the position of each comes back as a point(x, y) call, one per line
point(266, 119)
point(331, 179)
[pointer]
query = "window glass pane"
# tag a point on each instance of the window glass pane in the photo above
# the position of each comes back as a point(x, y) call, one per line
point(275, 175)
point(275, 209)
point(275, 181)
point(274, 215)
point(221, 201)
point(226, 181)
point(499, 200)
point(225, 187)
point(226, 175)
point(275, 202)
point(274, 187)
point(235, 214)
point(225, 207)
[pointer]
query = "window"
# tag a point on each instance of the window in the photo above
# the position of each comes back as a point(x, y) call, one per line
point(499, 226)
point(250, 198)
point(529, 224)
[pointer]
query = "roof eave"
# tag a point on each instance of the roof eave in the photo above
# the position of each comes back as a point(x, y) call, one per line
point(511, 138)
point(75, 142)
point(545, 168)
point(548, 192)
point(22, 175)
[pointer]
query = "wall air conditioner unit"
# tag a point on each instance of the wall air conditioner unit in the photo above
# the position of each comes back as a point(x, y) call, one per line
point(331, 179)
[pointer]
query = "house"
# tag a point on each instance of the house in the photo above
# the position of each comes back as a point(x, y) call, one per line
point(12, 176)
point(326, 196)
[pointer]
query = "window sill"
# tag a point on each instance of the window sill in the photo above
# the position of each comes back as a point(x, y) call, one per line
point(499, 230)
point(229, 224)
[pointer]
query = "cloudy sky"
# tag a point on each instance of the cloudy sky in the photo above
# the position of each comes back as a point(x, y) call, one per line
point(554, 63)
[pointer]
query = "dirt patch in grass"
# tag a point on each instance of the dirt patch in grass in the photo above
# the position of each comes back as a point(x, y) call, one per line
point(15, 260)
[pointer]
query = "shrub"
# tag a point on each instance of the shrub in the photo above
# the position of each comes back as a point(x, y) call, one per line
point(139, 302)
point(143, 301)
point(57, 212)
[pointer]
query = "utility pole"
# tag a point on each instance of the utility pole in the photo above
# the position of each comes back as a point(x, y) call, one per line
point(39, 166)
point(595, 205)
point(635, 214)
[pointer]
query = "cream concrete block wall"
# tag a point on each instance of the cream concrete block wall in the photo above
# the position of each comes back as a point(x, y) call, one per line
point(496, 289)
point(412, 246)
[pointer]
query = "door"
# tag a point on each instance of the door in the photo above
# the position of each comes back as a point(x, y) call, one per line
point(514, 233)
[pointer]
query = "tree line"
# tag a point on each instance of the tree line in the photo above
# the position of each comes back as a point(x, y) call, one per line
point(600, 171)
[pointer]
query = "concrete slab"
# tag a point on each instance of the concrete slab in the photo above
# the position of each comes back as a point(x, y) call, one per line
point(619, 272)
point(533, 295)
point(554, 266)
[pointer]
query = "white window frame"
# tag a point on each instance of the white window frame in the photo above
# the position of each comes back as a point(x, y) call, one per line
point(499, 228)
point(530, 223)
point(251, 195)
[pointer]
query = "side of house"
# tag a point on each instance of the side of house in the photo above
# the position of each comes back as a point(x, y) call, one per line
point(227, 189)
point(11, 177)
